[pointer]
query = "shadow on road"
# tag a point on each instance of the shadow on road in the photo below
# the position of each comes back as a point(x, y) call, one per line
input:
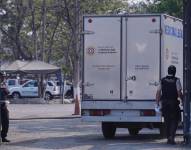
point(97, 142)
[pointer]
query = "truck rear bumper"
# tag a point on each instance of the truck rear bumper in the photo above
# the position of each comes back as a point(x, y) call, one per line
point(118, 104)
point(121, 119)
point(120, 111)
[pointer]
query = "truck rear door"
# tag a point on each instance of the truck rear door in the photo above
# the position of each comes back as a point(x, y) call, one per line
point(102, 52)
point(141, 56)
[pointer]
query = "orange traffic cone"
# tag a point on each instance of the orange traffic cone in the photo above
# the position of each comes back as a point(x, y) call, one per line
point(77, 107)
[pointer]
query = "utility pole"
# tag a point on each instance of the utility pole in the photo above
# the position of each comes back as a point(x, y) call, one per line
point(187, 69)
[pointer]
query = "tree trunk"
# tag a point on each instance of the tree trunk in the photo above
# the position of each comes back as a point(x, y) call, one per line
point(52, 40)
point(43, 29)
point(32, 7)
point(76, 56)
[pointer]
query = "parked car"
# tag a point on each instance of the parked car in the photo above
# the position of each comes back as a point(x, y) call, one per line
point(28, 89)
point(52, 90)
point(15, 82)
point(68, 90)
point(12, 83)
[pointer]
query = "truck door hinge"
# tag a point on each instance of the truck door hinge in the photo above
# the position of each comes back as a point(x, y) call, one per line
point(87, 32)
point(154, 83)
point(156, 31)
point(88, 84)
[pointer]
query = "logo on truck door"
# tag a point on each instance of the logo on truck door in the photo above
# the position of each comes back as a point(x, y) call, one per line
point(90, 50)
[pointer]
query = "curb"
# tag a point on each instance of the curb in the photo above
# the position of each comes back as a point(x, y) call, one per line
point(36, 118)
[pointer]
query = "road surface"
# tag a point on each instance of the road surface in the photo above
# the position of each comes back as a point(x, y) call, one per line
point(73, 134)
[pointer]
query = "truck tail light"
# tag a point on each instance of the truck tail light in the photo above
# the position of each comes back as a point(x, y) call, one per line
point(103, 112)
point(147, 112)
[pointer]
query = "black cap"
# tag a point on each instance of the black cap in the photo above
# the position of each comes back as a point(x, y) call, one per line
point(172, 70)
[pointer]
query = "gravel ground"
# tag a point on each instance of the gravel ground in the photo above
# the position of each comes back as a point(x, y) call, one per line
point(31, 111)
point(40, 101)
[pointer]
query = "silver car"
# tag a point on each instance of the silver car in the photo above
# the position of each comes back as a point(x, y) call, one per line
point(52, 89)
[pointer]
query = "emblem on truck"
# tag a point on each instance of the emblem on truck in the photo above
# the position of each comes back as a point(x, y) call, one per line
point(173, 31)
point(90, 50)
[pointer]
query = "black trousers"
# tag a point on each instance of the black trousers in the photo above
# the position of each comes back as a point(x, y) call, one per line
point(172, 116)
point(4, 120)
point(171, 126)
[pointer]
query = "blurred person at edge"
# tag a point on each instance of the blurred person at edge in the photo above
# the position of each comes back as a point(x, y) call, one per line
point(4, 110)
point(170, 93)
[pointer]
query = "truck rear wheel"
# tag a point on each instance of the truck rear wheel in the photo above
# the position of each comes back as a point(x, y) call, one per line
point(108, 130)
point(133, 131)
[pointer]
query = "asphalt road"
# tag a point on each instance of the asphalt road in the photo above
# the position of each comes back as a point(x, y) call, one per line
point(28, 131)
point(72, 134)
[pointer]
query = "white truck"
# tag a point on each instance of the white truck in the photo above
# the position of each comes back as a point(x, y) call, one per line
point(124, 58)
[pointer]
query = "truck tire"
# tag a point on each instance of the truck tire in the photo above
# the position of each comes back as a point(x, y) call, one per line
point(133, 131)
point(108, 130)
point(16, 95)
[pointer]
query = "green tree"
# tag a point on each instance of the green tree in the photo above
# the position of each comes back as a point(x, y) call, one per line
point(11, 26)
point(33, 29)
point(171, 7)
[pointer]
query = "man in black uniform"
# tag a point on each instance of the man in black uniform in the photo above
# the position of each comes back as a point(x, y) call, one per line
point(4, 111)
point(169, 92)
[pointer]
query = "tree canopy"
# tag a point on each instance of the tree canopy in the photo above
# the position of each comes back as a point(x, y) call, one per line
point(45, 29)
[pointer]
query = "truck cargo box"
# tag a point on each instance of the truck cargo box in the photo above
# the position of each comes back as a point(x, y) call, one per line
point(124, 59)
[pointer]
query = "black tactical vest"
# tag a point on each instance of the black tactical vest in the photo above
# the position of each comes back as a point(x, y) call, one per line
point(169, 90)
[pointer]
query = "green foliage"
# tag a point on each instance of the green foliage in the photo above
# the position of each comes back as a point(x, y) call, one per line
point(103, 6)
point(21, 25)
point(171, 7)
